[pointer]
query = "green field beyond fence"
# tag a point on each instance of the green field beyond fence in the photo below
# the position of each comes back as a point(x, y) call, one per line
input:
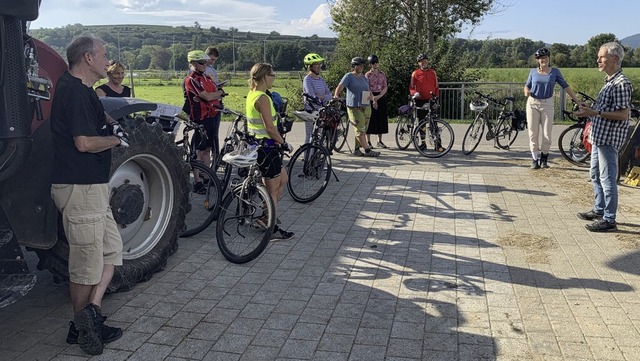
point(165, 87)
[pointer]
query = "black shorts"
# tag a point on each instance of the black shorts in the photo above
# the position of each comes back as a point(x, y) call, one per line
point(269, 162)
point(212, 127)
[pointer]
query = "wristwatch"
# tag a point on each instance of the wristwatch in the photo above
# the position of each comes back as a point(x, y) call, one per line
point(599, 113)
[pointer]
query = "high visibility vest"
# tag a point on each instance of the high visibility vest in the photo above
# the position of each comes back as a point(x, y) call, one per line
point(255, 125)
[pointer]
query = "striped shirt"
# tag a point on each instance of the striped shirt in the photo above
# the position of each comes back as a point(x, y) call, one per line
point(614, 95)
point(315, 87)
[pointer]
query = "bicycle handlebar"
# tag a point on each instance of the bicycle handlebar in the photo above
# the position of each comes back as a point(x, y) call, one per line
point(225, 110)
point(586, 97)
point(494, 100)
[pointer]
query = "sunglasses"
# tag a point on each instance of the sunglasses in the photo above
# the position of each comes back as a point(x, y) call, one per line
point(272, 75)
point(202, 62)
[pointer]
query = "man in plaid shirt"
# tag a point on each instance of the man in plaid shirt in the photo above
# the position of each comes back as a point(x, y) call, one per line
point(609, 127)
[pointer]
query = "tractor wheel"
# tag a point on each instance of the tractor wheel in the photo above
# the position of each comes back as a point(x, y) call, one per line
point(149, 195)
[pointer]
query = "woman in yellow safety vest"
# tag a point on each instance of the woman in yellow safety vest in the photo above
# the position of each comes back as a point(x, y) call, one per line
point(261, 123)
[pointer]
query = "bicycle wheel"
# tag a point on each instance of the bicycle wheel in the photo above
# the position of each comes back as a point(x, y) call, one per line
point(342, 131)
point(309, 173)
point(204, 200)
point(433, 139)
point(326, 139)
point(473, 135)
point(404, 131)
point(571, 146)
point(506, 134)
point(245, 223)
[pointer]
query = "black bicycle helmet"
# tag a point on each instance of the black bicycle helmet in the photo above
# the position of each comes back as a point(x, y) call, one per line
point(373, 59)
point(357, 61)
point(422, 56)
point(541, 52)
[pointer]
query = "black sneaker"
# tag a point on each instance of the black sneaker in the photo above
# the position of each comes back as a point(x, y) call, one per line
point(589, 216)
point(535, 164)
point(109, 334)
point(89, 325)
point(601, 226)
point(280, 234)
point(371, 153)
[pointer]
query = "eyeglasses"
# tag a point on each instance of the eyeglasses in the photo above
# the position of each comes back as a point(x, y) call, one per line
point(202, 62)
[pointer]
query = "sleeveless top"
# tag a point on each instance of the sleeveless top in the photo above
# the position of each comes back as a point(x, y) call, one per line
point(126, 91)
point(255, 125)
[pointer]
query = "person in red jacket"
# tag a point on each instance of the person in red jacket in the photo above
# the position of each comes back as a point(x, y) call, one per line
point(424, 83)
point(203, 99)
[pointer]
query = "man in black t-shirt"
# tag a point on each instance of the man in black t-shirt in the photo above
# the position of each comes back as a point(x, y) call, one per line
point(80, 190)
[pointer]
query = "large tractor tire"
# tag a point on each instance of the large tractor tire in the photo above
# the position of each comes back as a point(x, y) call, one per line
point(149, 195)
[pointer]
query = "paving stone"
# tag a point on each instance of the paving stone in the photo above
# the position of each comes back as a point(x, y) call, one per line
point(403, 259)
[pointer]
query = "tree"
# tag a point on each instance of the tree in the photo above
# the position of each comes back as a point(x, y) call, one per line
point(593, 45)
point(397, 30)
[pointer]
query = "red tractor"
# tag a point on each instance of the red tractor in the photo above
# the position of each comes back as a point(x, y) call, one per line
point(149, 180)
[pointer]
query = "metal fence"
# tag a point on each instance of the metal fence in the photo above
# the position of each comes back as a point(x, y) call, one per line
point(455, 98)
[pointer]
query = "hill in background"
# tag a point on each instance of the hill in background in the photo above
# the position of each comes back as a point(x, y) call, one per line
point(632, 41)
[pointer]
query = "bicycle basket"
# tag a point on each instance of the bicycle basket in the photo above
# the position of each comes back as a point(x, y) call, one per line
point(478, 105)
point(519, 120)
point(405, 109)
point(284, 124)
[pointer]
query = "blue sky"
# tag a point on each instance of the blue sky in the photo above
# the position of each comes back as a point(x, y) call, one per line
point(562, 21)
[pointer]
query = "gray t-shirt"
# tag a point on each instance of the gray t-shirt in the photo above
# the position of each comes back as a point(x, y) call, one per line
point(355, 86)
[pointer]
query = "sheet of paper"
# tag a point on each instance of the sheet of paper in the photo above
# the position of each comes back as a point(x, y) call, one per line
point(365, 96)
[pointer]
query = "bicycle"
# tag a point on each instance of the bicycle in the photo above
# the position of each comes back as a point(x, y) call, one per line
point(575, 148)
point(432, 137)
point(329, 117)
point(411, 129)
point(221, 168)
point(206, 193)
point(571, 142)
point(342, 130)
point(247, 215)
point(310, 166)
point(503, 132)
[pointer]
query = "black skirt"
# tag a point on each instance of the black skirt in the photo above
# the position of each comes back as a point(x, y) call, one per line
point(379, 121)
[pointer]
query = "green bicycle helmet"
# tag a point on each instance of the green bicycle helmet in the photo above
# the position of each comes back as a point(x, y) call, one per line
point(312, 58)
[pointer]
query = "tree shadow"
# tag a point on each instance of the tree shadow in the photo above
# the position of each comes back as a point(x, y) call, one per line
point(627, 263)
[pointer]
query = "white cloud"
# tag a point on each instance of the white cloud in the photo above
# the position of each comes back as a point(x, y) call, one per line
point(243, 15)
point(318, 23)
point(134, 5)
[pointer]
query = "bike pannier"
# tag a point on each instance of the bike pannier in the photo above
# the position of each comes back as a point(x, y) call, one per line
point(519, 120)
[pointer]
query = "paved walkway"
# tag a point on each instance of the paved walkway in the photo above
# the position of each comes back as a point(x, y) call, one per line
point(406, 258)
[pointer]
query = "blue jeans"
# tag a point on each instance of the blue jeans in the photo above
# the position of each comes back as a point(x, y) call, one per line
point(604, 175)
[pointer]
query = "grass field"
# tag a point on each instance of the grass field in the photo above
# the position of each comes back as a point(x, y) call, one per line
point(586, 80)
point(169, 91)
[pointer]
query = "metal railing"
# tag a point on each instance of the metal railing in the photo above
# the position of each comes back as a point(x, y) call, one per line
point(455, 98)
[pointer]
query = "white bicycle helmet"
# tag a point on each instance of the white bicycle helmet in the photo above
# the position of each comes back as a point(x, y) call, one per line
point(242, 158)
point(478, 105)
point(306, 116)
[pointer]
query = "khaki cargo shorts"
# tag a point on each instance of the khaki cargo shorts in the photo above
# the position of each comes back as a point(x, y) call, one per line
point(94, 239)
point(359, 118)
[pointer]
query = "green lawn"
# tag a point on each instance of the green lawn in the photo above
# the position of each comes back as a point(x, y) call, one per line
point(586, 80)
